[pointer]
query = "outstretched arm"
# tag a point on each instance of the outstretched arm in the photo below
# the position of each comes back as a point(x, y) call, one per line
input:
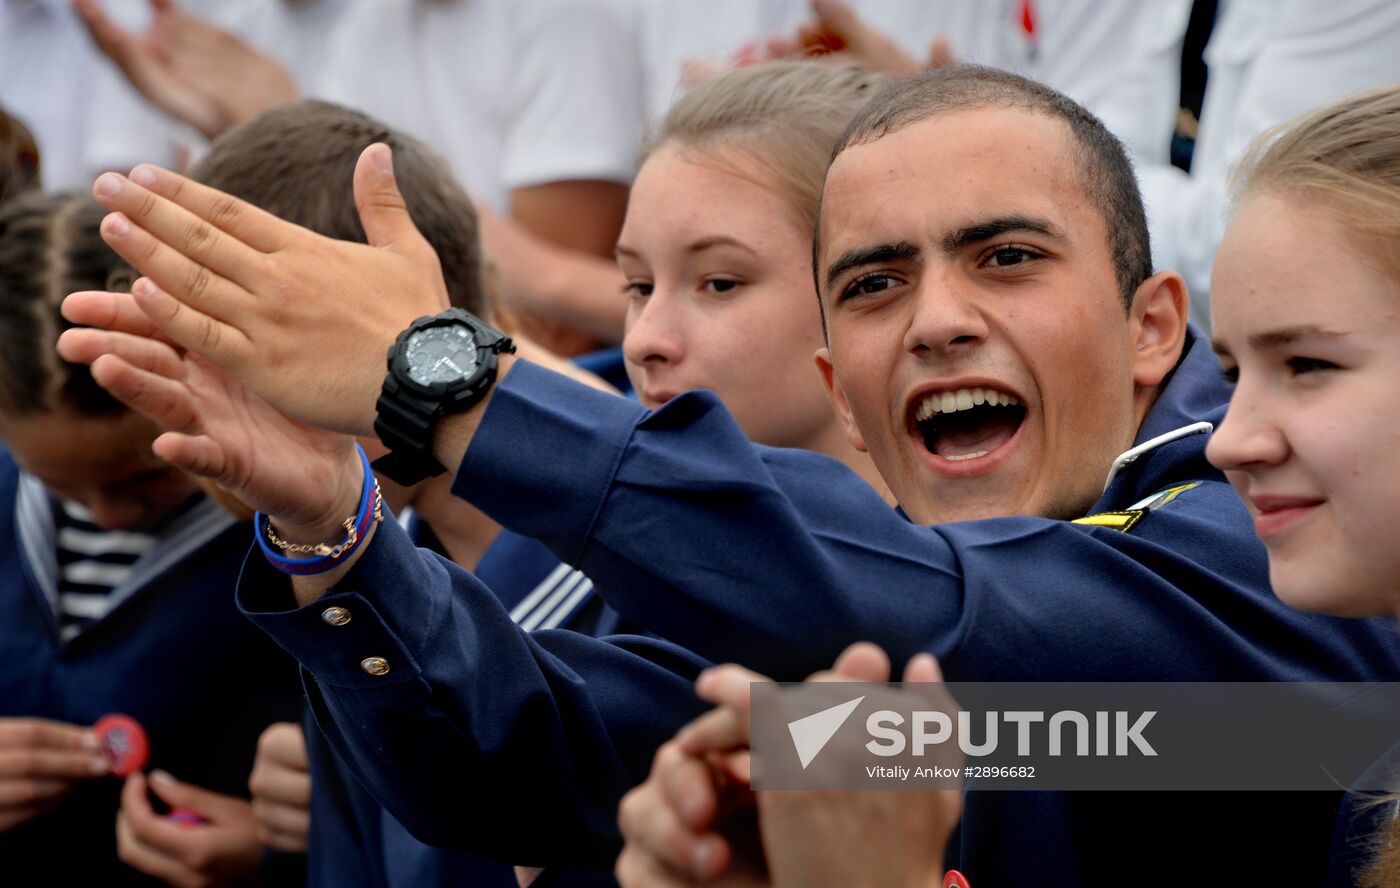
point(456, 720)
point(198, 73)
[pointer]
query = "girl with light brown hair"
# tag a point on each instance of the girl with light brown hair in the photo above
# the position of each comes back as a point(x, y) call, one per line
point(1306, 309)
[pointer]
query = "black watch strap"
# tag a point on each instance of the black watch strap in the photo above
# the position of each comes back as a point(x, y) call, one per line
point(406, 414)
point(405, 425)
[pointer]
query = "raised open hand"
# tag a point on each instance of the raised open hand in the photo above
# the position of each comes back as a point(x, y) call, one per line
point(302, 320)
point(192, 70)
point(216, 428)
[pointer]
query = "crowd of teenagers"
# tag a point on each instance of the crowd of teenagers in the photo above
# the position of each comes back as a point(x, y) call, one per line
point(746, 340)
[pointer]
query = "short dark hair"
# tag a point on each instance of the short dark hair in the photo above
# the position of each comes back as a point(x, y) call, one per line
point(50, 246)
point(297, 161)
point(19, 158)
point(1105, 170)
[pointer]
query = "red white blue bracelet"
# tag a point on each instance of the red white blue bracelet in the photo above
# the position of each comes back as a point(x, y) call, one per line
point(326, 557)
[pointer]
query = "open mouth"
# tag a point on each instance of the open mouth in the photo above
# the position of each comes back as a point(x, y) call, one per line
point(960, 425)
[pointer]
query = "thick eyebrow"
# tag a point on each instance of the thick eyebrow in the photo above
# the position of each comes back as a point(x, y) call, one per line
point(1285, 336)
point(982, 231)
point(703, 244)
point(902, 251)
point(1281, 338)
point(718, 240)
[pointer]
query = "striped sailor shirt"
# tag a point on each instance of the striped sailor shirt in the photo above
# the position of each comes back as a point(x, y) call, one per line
point(91, 563)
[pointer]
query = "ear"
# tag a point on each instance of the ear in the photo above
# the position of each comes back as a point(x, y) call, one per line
point(1157, 324)
point(838, 398)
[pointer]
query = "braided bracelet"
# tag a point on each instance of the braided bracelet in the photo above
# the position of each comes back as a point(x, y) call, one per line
point(325, 557)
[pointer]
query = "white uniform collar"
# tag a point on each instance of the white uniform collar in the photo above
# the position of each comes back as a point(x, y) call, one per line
point(1128, 457)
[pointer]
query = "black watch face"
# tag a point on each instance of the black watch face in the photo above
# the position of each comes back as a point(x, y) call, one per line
point(441, 354)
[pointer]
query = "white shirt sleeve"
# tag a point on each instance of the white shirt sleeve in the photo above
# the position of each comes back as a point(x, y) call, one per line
point(1122, 61)
point(1268, 63)
point(574, 108)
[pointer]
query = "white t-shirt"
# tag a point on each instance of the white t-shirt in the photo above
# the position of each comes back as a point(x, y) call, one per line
point(297, 33)
point(512, 94)
point(83, 114)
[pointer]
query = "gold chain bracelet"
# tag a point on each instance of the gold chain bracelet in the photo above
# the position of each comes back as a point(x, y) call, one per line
point(323, 550)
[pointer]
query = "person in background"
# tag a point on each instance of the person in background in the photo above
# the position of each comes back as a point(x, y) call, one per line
point(1082, 48)
point(1267, 62)
point(199, 74)
point(84, 116)
point(19, 158)
point(119, 576)
point(716, 252)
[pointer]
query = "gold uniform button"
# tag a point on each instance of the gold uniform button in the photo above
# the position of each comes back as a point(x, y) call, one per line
point(335, 616)
point(375, 665)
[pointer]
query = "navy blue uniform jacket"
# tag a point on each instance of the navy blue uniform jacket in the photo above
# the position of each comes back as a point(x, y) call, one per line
point(175, 654)
point(778, 559)
point(354, 841)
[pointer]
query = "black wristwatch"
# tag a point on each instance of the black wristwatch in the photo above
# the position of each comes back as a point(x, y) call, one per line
point(439, 365)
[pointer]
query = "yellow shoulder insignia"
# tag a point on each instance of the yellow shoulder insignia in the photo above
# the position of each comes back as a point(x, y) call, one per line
point(1127, 519)
point(1121, 521)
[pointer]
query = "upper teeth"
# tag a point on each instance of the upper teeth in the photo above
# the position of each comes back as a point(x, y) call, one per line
point(963, 399)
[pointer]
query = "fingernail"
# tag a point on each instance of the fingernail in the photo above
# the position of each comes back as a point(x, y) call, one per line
point(90, 743)
point(702, 858)
point(162, 778)
point(98, 765)
point(693, 809)
point(383, 159)
point(116, 225)
point(108, 185)
point(143, 287)
point(143, 175)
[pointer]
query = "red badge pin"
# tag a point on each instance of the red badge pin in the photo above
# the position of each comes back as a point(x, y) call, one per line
point(123, 743)
point(955, 879)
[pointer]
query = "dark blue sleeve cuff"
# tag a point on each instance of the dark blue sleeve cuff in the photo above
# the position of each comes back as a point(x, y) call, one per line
point(351, 637)
point(543, 459)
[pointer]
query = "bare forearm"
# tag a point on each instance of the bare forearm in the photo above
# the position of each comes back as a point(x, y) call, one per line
point(584, 292)
point(566, 284)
